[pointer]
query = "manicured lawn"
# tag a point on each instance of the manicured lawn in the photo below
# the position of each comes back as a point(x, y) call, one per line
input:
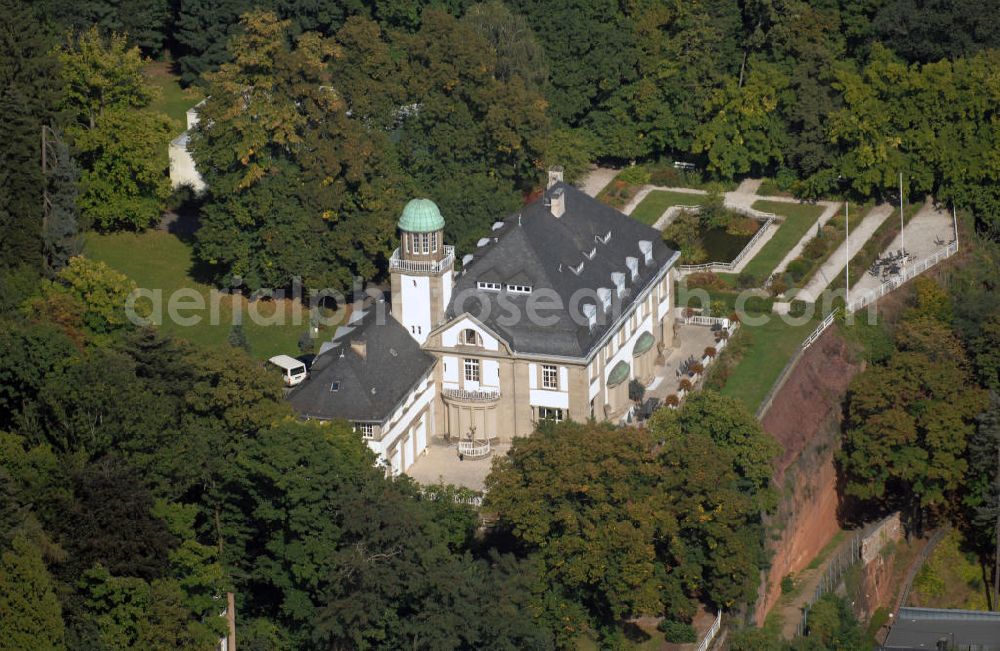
point(799, 218)
point(767, 348)
point(159, 260)
point(656, 202)
point(174, 101)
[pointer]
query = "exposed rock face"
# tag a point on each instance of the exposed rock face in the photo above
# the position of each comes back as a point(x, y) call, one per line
point(805, 418)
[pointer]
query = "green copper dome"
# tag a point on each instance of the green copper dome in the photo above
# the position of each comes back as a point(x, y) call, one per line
point(421, 216)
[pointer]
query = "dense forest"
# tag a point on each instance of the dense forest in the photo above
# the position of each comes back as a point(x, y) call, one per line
point(356, 106)
point(144, 478)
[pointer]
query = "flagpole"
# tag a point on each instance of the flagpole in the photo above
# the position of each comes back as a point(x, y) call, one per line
point(847, 251)
point(902, 227)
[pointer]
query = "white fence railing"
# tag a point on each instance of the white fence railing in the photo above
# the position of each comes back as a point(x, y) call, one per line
point(482, 395)
point(826, 323)
point(909, 273)
point(712, 632)
point(421, 266)
point(474, 449)
point(727, 267)
point(697, 319)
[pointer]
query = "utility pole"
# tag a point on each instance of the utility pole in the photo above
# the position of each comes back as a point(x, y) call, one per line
point(847, 252)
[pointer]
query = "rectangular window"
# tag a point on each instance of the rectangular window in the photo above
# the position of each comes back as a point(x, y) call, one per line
point(490, 287)
point(425, 243)
point(434, 242)
point(550, 377)
point(519, 289)
point(367, 430)
point(550, 414)
point(472, 370)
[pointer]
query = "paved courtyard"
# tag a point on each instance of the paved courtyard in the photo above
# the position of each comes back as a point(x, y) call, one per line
point(440, 464)
point(928, 231)
point(692, 341)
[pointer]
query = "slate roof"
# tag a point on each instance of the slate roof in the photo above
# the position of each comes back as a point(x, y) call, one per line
point(538, 249)
point(370, 387)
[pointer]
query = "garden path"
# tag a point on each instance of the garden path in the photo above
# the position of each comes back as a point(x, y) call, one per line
point(834, 265)
point(596, 180)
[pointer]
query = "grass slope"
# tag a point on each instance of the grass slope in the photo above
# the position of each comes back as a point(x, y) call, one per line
point(656, 203)
point(766, 350)
point(159, 260)
point(173, 100)
point(799, 218)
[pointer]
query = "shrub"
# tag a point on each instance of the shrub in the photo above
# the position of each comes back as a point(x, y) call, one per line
point(677, 632)
point(705, 280)
point(815, 248)
point(664, 175)
point(746, 280)
point(797, 269)
point(745, 226)
point(710, 351)
point(785, 178)
point(636, 391)
point(797, 308)
point(697, 368)
point(685, 385)
point(634, 175)
point(672, 400)
point(778, 286)
point(787, 584)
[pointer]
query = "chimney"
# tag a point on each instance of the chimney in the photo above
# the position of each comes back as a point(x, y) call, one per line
point(557, 202)
point(359, 346)
point(555, 175)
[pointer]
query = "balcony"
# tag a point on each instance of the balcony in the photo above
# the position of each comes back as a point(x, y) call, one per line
point(479, 395)
point(396, 263)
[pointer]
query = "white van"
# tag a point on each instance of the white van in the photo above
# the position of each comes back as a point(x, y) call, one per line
point(292, 369)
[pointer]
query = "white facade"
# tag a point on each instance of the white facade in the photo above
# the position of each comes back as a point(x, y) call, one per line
point(182, 168)
point(416, 302)
point(404, 436)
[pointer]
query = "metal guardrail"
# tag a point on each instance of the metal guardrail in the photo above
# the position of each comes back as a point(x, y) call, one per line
point(420, 266)
point(844, 561)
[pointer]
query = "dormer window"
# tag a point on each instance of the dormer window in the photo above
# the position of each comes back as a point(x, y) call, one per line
point(488, 287)
point(590, 311)
point(646, 248)
point(593, 252)
point(367, 430)
point(633, 266)
point(578, 269)
point(519, 289)
point(618, 278)
point(471, 338)
point(605, 295)
point(607, 237)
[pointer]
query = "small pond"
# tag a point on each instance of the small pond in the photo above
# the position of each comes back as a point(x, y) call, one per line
point(720, 245)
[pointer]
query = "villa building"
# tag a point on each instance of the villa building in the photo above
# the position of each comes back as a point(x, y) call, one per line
point(558, 309)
